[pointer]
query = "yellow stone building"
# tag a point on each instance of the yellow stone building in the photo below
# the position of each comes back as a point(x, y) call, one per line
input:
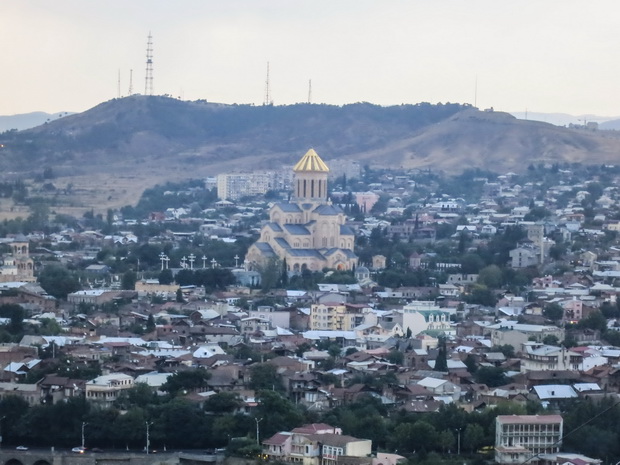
point(17, 266)
point(308, 231)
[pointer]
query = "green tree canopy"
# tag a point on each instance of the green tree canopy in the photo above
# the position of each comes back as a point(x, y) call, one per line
point(188, 380)
point(58, 281)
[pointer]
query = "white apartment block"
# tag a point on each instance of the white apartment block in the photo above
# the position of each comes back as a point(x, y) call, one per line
point(523, 438)
point(233, 186)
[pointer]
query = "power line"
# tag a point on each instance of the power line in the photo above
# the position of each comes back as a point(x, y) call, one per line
point(556, 443)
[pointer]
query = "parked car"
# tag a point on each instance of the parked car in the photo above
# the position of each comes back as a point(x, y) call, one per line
point(21, 448)
point(79, 450)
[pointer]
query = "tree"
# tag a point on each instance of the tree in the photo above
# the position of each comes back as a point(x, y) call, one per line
point(482, 296)
point(553, 311)
point(471, 263)
point(277, 413)
point(491, 376)
point(396, 357)
point(16, 314)
point(441, 362)
point(150, 324)
point(264, 376)
point(470, 363)
point(223, 402)
point(551, 340)
point(270, 273)
point(189, 380)
point(594, 320)
point(446, 440)
point(165, 276)
point(128, 281)
point(506, 349)
point(57, 281)
point(473, 437)
point(140, 395)
point(490, 276)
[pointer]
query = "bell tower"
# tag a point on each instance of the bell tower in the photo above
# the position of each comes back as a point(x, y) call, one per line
point(311, 179)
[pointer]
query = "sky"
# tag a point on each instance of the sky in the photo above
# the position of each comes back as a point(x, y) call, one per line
point(513, 55)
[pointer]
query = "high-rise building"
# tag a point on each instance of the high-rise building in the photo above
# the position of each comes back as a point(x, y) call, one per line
point(233, 186)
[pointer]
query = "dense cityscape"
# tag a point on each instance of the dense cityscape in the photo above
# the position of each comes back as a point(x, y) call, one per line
point(324, 314)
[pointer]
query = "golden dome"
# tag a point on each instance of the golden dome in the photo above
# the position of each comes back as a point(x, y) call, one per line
point(311, 162)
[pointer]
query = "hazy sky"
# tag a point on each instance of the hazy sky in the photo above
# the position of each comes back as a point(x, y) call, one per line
point(543, 55)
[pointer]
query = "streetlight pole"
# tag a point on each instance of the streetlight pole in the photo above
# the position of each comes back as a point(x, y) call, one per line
point(1, 418)
point(83, 439)
point(257, 420)
point(148, 425)
point(458, 441)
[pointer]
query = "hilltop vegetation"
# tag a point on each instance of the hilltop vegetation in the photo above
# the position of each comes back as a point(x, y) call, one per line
point(111, 153)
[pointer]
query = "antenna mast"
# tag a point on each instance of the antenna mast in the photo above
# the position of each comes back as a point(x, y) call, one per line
point(310, 91)
point(476, 93)
point(148, 84)
point(118, 85)
point(131, 82)
point(268, 100)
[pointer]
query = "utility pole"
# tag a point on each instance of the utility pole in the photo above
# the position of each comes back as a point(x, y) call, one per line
point(148, 442)
point(1, 418)
point(257, 420)
point(83, 438)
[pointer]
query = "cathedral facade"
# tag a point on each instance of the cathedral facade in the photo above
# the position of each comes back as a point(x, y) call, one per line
point(307, 231)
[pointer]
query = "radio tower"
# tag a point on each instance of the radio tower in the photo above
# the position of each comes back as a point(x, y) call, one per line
point(310, 91)
point(148, 84)
point(118, 90)
point(268, 100)
point(131, 82)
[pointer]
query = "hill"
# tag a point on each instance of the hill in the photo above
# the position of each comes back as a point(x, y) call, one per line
point(111, 152)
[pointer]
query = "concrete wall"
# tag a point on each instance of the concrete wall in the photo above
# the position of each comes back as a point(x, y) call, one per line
point(42, 457)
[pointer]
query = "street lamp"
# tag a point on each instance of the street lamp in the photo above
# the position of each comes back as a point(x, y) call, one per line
point(1, 418)
point(257, 420)
point(148, 425)
point(458, 441)
point(83, 441)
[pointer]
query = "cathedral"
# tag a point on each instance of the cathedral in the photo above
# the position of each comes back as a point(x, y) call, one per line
point(307, 231)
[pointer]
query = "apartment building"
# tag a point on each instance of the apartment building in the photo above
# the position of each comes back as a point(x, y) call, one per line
point(523, 438)
point(334, 317)
point(233, 186)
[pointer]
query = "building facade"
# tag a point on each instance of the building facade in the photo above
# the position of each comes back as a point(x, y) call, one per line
point(17, 266)
point(522, 438)
point(308, 231)
point(233, 186)
point(334, 317)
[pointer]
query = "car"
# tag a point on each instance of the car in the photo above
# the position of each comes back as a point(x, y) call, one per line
point(96, 449)
point(21, 448)
point(79, 450)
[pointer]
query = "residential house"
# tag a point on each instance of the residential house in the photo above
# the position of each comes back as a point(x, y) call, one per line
point(106, 389)
point(541, 357)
